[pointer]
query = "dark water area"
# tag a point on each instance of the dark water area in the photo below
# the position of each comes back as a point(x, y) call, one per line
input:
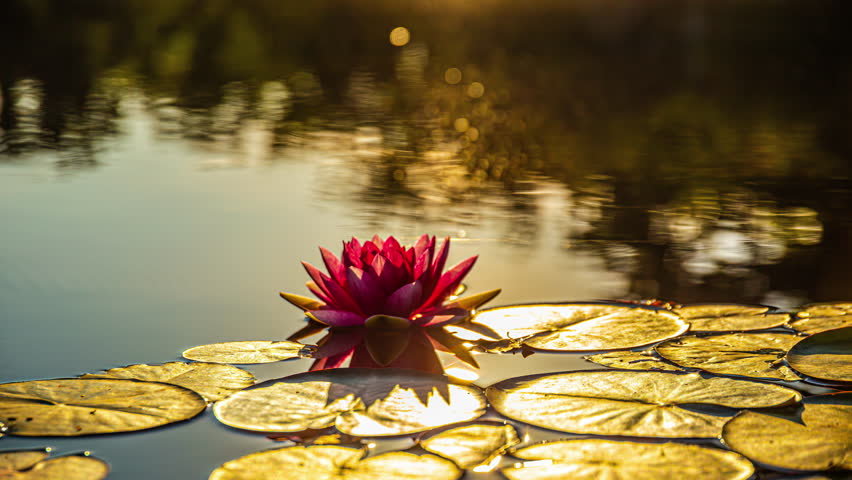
point(165, 165)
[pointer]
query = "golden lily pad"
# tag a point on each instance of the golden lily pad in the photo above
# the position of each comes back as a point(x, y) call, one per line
point(581, 327)
point(820, 439)
point(820, 317)
point(472, 445)
point(35, 465)
point(213, 381)
point(630, 360)
point(76, 406)
point(360, 402)
point(757, 355)
point(639, 404)
point(730, 317)
point(247, 352)
point(335, 463)
point(826, 355)
point(616, 460)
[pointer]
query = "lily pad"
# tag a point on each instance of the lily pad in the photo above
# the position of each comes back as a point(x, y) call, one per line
point(826, 355)
point(629, 360)
point(820, 439)
point(358, 401)
point(247, 352)
point(639, 404)
point(820, 317)
point(757, 355)
point(581, 327)
point(35, 465)
point(335, 463)
point(472, 445)
point(213, 381)
point(76, 406)
point(616, 460)
point(730, 317)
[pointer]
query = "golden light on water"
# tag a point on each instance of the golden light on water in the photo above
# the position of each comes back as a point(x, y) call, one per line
point(490, 466)
point(475, 90)
point(461, 124)
point(462, 374)
point(400, 36)
point(453, 76)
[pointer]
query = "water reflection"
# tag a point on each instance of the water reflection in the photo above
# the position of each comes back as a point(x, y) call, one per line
point(668, 139)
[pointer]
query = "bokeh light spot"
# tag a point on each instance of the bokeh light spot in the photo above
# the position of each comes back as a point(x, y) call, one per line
point(453, 76)
point(399, 36)
point(475, 90)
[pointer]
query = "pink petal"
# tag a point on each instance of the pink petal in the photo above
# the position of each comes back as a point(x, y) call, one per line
point(319, 293)
point(377, 241)
point(389, 275)
point(352, 253)
point(334, 266)
point(442, 317)
point(421, 245)
point(441, 258)
point(366, 289)
point(319, 278)
point(404, 301)
point(448, 283)
point(421, 266)
point(337, 318)
point(391, 245)
point(368, 251)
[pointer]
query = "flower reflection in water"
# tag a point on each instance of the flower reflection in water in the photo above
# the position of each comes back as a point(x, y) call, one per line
point(410, 347)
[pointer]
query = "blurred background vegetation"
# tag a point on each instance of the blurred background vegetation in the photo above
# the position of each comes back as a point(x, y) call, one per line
point(713, 135)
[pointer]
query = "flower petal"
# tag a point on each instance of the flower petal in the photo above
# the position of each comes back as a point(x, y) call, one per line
point(473, 302)
point(389, 275)
point(441, 258)
point(404, 301)
point(334, 361)
point(334, 266)
point(304, 303)
point(319, 293)
point(365, 289)
point(448, 283)
point(336, 318)
point(443, 316)
point(352, 253)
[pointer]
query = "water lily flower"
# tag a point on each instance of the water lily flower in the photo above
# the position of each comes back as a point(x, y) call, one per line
point(383, 284)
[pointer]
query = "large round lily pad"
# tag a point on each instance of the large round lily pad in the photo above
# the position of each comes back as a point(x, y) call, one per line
point(640, 404)
point(35, 465)
point(594, 459)
point(472, 445)
point(820, 317)
point(819, 439)
point(361, 402)
point(213, 381)
point(76, 406)
point(581, 326)
point(247, 352)
point(826, 355)
point(757, 355)
point(335, 463)
point(630, 360)
point(730, 317)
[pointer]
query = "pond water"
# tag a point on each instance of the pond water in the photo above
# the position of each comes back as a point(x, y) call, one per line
point(165, 166)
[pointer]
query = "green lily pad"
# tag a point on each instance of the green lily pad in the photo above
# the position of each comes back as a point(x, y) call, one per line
point(757, 355)
point(580, 327)
point(360, 402)
point(35, 465)
point(629, 360)
point(247, 352)
point(730, 317)
point(639, 404)
point(819, 439)
point(335, 463)
point(820, 317)
point(213, 381)
point(77, 406)
point(594, 459)
point(472, 445)
point(826, 355)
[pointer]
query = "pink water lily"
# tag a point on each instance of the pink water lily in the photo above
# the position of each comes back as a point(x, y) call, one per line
point(382, 283)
